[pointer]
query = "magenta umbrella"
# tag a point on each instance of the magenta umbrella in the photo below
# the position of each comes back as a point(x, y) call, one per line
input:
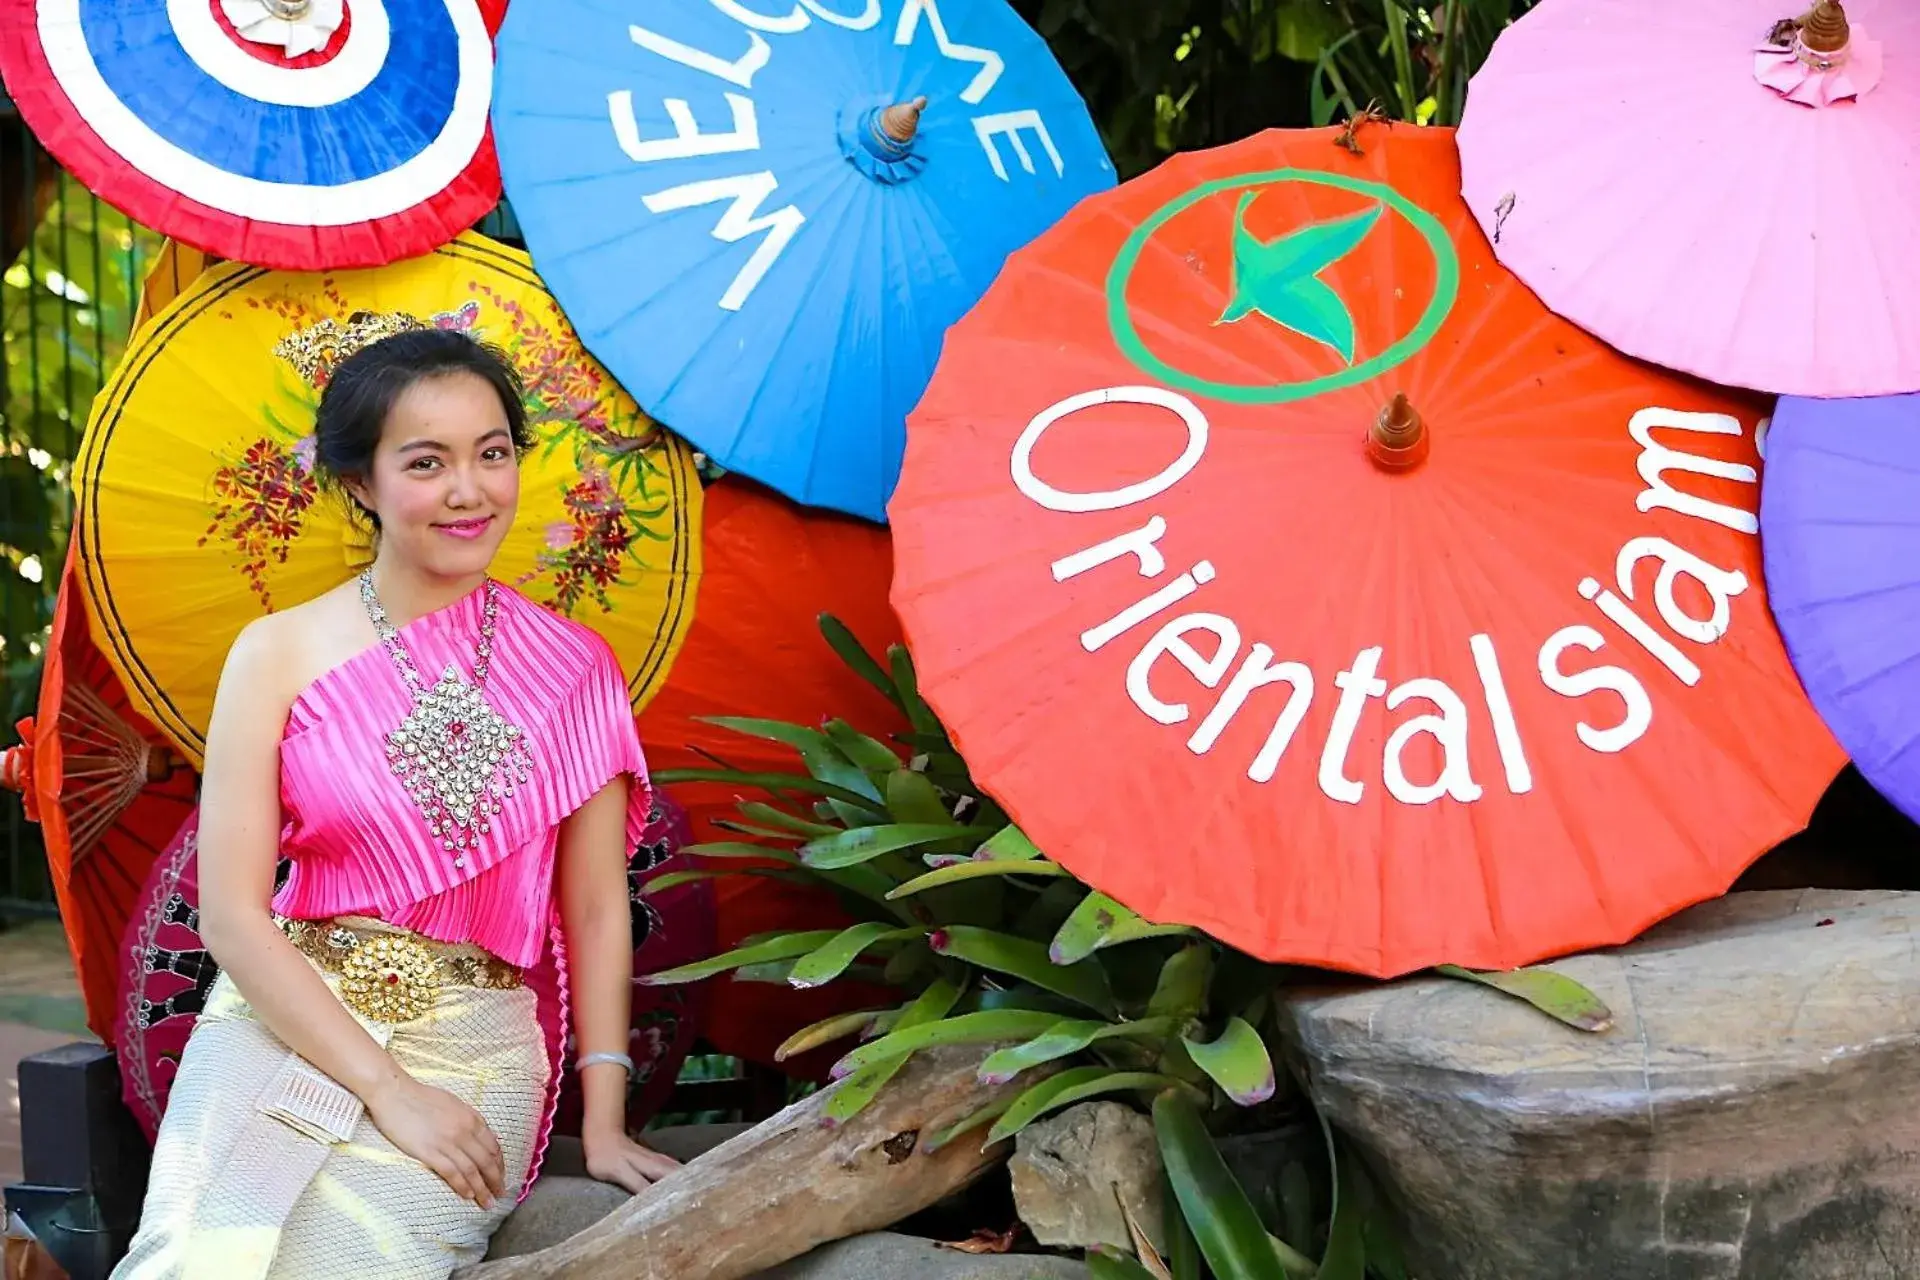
point(1840, 530)
point(1712, 189)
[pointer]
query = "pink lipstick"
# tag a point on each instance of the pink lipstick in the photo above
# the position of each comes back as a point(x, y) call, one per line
point(468, 529)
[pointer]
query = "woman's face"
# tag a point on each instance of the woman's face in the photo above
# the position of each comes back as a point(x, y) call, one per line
point(444, 480)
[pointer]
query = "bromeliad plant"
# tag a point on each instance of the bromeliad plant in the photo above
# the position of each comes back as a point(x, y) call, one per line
point(991, 943)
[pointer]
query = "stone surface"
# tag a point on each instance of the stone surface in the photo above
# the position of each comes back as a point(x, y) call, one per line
point(884, 1256)
point(565, 1201)
point(1754, 1115)
point(558, 1208)
point(1071, 1171)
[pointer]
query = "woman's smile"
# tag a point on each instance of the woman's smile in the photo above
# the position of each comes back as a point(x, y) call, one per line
point(467, 529)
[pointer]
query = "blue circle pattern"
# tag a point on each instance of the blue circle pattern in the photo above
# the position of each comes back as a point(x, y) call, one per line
point(386, 124)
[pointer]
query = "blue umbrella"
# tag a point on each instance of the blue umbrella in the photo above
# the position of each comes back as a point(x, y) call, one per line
point(754, 221)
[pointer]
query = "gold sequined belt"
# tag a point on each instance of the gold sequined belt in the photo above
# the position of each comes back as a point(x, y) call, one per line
point(391, 975)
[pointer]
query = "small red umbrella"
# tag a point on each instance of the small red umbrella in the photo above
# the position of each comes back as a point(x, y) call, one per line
point(108, 792)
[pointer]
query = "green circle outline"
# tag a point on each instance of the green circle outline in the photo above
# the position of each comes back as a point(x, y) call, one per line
point(1446, 289)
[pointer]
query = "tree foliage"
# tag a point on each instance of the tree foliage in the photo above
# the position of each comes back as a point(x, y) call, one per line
point(1174, 75)
point(66, 306)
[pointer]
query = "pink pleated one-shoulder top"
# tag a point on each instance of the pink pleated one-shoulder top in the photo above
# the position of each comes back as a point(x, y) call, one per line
point(358, 845)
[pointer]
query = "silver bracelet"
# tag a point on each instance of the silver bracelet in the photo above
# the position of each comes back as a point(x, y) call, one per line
point(595, 1059)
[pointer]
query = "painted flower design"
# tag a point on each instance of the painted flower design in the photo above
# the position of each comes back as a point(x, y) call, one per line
point(260, 503)
point(585, 554)
point(563, 385)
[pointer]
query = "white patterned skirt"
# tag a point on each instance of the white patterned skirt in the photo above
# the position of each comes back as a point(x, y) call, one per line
point(238, 1194)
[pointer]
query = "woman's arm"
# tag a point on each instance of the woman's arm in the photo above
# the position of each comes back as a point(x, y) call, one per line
point(239, 844)
point(598, 924)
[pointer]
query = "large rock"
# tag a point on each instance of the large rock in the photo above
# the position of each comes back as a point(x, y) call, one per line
point(565, 1201)
point(884, 1256)
point(1072, 1171)
point(1755, 1114)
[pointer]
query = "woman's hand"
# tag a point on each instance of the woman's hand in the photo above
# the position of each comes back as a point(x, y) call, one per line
point(444, 1134)
point(616, 1158)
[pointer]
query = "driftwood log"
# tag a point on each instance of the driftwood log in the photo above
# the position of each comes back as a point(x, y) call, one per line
point(787, 1185)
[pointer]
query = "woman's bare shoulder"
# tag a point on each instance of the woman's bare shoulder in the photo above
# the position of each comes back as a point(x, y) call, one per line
point(278, 654)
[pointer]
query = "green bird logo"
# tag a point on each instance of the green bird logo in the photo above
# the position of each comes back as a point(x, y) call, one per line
point(1279, 278)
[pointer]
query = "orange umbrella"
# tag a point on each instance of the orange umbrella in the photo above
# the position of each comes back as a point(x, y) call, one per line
point(107, 790)
point(1286, 569)
point(754, 649)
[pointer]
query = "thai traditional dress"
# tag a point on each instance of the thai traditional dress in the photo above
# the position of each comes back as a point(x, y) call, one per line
point(422, 812)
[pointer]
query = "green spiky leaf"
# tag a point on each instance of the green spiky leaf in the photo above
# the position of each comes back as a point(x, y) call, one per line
point(1346, 1255)
point(760, 811)
point(851, 1095)
point(1182, 988)
point(959, 1129)
point(863, 844)
point(870, 754)
point(784, 946)
point(826, 1031)
point(906, 684)
point(757, 832)
point(912, 798)
point(739, 849)
point(1238, 1062)
point(799, 737)
point(1071, 1086)
point(1554, 994)
point(958, 872)
point(1085, 982)
point(1105, 1263)
point(1100, 922)
point(1008, 844)
point(985, 1027)
point(767, 782)
point(830, 960)
point(855, 655)
point(1224, 1224)
point(1066, 1038)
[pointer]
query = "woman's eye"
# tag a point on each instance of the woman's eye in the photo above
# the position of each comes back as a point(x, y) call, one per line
point(423, 464)
point(495, 454)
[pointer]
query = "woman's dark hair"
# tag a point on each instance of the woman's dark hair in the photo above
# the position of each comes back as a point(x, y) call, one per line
point(367, 384)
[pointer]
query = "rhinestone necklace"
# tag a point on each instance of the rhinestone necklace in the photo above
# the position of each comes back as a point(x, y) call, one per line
point(455, 755)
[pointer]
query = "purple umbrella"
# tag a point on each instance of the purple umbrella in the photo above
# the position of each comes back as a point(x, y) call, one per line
point(1840, 529)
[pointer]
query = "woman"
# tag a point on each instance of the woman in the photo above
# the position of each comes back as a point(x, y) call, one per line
point(454, 775)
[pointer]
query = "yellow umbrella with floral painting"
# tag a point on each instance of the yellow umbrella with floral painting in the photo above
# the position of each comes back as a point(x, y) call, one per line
point(174, 269)
point(199, 508)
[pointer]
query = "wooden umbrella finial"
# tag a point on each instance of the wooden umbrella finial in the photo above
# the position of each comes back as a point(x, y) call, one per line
point(902, 120)
point(1825, 29)
point(1398, 439)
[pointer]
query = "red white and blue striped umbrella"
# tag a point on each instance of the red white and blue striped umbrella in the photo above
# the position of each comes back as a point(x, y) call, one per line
point(295, 134)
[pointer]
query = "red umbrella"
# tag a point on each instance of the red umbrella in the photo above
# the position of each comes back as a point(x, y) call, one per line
point(1286, 569)
point(108, 792)
point(769, 569)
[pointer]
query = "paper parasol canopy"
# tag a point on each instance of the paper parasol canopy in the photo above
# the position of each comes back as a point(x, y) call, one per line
point(1285, 569)
point(770, 569)
point(107, 792)
point(199, 508)
point(302, 134)
point(1683, 179)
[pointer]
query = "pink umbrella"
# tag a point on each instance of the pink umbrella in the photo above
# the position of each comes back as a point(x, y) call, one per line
point(1726, 187)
